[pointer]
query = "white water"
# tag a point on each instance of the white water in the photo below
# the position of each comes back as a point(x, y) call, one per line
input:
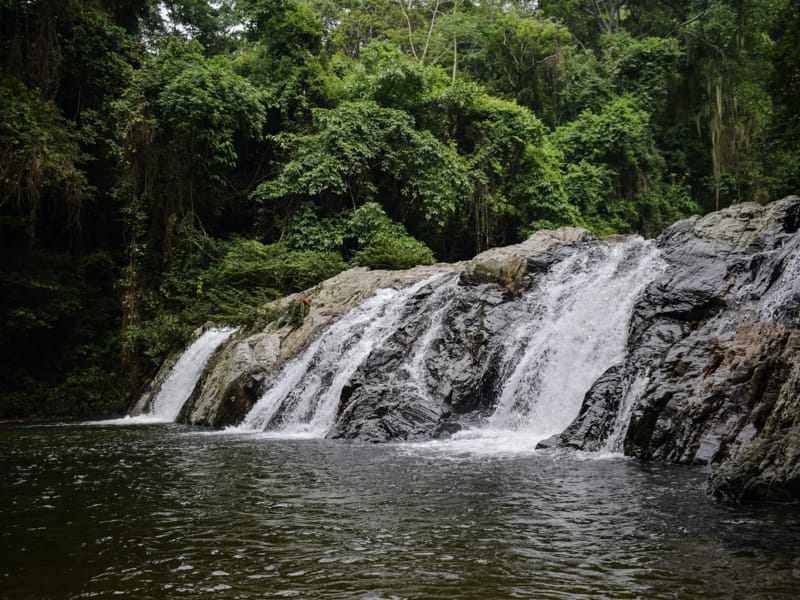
point(580, 313)
point(414, 365)
point(186, 372)
point(634, 391)
point(304, 398)
point(784, 291)
point(180, 381)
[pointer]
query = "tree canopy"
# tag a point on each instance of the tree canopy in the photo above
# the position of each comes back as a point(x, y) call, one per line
point(167, 162)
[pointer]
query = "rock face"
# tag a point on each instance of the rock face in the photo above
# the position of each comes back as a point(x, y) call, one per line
point(510, 266)
point(712, 374)
point(708, 372)
point(390, 398)
point(459, 330)
point(241, 370)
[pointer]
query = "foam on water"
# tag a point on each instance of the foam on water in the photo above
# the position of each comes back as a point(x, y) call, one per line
point(144, 419)
point(485, 441)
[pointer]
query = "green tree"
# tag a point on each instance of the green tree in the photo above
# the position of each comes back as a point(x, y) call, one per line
point(286, 58)
point(727, 71)
point(63, 64)
point(646, 68)
point(780, 147)
point(180, 123)
point(522, 56)
point(363, 152)
point(213, 24)
point(182, 118)
point(40, 159)
point(612, 165)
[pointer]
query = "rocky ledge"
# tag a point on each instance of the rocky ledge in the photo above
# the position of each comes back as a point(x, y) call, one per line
point(245, 366)
point(242, 369)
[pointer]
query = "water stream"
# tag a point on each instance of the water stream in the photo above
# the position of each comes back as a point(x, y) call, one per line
point(167, 511)
point(572, 328)
point(303, 399)
point(581, 311)
point(164, 405)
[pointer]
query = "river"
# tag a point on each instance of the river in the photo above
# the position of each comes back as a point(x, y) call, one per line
point(164, 511)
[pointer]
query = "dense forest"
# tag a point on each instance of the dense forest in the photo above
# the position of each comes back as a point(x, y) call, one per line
point(166, 163)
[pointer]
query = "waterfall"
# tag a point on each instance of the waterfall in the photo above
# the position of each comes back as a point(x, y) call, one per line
point(632, 393)
point(784, 292)
point(182, 378)
point(578, 329)
point(572, 327)
point(304, 397)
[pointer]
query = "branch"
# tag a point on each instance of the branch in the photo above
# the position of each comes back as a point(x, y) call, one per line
point(430, 30)
point(410, 31)
point(715, 47)
point(685, 23)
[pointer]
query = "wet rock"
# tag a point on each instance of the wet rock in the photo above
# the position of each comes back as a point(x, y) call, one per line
point(709, 375)
point(714, 341)
point(508, 266)
point(446, 367)
point(460, 381)
point(391, 398)
point(765, 464)
point(238, 373)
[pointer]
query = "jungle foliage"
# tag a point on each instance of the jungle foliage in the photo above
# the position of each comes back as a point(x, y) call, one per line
point(163, 163)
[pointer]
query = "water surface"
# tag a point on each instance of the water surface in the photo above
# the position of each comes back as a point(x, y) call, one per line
point(163, 511)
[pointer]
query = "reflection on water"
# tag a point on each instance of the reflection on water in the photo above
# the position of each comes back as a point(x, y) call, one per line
point(162, 512)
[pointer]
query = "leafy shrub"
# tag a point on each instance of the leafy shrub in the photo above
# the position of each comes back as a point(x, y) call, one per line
point(365, 235)
point(401, 253)
point(154, 337)
point(224, 281)
point(249, 264)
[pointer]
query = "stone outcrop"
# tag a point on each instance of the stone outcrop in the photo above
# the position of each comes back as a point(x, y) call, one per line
point(714, 346)
point(386, 399)
point(246, 366)
point(458, 385)
point(509, 266)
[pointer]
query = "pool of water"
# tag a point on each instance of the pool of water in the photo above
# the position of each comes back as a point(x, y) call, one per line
point(161, 511)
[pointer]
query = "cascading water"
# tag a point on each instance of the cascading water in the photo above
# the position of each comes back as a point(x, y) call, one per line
point(304, 397)
point(580, 313)
point(632, 394)
point(785, 290)
point(573, 328)
point(435, 309)
point(183, 377)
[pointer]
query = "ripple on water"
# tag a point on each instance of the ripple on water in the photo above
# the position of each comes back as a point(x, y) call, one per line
point(153, 512)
